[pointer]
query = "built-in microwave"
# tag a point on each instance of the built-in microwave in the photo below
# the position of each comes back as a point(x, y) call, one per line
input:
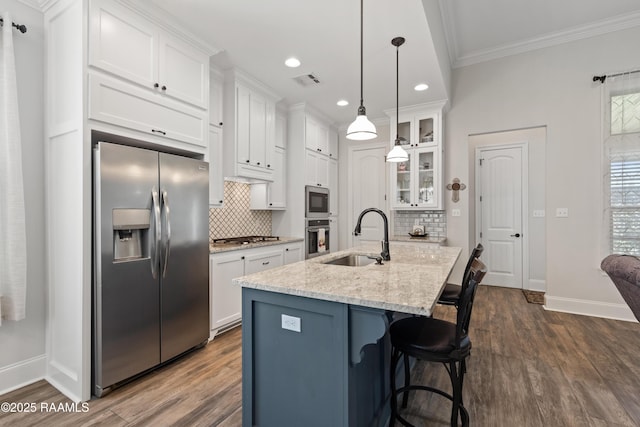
point(317, 202)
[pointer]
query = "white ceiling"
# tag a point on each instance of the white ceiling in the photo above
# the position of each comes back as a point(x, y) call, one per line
point(258, 35)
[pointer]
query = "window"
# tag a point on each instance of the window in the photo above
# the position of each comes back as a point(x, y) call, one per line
point(622, 157)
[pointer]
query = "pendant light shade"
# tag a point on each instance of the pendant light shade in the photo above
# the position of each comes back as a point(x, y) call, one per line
point(397, 153)
point(361, 128)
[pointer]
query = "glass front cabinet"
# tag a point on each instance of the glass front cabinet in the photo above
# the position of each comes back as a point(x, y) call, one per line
point(417, 184)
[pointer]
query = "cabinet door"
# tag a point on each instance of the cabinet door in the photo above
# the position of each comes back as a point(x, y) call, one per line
point(216, 90)
point(333, 144)
point(281, 131)
point(333, 187)
point(183, 71)
point(322, 139)
point(277, 188)
point(293, 253)
point(263, 261)
point(310, 134)
point(242, 124)
point(216, 176)
point(317, 169)
point(425, 178)
point(426, 132)
point(117, 102)
point(401, 183)
point(257, 129)
point(226, 298)
point(123, 43)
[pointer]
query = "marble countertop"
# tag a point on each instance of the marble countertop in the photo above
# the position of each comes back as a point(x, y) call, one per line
point(227, 248)
point(411, 282)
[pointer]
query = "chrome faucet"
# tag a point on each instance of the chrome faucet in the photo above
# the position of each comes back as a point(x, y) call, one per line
point(385, 244)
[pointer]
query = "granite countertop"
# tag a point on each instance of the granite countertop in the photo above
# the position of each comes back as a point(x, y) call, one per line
point(411, 282)
point(227, 248)
point(428, 239)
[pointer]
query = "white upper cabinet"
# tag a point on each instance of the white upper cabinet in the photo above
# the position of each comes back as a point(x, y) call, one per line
point(333, 145)
point(129, 46)
point(250, 127)
point(417, 183)
point(316, 136)
point(216, 85)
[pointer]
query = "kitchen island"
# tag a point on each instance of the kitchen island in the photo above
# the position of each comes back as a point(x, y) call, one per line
point(315, 349)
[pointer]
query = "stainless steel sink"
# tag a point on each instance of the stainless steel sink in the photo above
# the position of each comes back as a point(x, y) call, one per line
point(353, 260)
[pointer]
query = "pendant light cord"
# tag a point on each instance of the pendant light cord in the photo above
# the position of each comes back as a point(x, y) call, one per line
point(397, 92)
point(361, 52)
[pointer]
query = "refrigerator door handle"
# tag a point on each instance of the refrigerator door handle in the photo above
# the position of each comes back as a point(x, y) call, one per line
point(155, 254)
point(167, 227)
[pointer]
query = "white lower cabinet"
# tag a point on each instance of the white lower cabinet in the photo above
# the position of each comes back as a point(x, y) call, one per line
point(226, 297)
point(293, 252)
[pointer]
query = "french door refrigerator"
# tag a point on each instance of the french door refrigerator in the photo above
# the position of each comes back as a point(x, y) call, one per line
point(151, 252)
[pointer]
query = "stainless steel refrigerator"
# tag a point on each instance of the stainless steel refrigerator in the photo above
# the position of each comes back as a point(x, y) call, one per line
point(151, 252)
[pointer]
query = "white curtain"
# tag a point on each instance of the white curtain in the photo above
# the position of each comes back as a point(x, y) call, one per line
point(13, 249)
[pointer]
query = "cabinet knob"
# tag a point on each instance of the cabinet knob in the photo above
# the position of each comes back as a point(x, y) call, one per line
point(242, 257)
point(164, 87)
point(247, 160)
point(270, 204)
point(268, 166)
point(220, 201)
point(287, 249)
point(258, 163)
point(330, 155)
point(319, 185)
point(156, 85)
point(319, 149)
point(220, 124)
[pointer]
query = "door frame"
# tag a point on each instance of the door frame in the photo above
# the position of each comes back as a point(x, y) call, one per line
point(351, 216)
point(524, 148)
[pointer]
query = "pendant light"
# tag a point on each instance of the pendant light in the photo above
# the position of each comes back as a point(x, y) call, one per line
point(361, 128)
point(397, 153)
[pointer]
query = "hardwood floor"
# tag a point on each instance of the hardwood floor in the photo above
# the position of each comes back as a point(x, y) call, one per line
point(528, 367)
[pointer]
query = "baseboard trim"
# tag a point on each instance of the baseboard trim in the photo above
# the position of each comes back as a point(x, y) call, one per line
point(589, 308)
point(537, 285)
point(23, 373)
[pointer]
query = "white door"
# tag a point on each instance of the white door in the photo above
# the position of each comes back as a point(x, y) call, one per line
point(499, 201)
point(368, 190)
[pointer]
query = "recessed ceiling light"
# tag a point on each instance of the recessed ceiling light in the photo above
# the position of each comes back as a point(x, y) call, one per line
point(421, 87)
point(292, 62)
point(342, 102)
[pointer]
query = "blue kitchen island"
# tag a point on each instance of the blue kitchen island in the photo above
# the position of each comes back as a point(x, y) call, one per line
point(314, 346)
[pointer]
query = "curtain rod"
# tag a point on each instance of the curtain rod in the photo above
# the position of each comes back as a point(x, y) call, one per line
point(20, 27)
point(603, 77)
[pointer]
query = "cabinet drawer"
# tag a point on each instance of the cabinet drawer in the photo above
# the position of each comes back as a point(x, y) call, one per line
point(119, 103)
point(263, 261)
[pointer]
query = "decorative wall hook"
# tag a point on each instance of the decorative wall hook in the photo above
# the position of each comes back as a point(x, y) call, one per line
point(455, 186)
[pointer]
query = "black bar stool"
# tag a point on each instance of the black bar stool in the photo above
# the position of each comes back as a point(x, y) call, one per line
point(436, 340)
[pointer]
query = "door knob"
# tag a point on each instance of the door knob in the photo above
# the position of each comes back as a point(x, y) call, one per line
point(515, 235)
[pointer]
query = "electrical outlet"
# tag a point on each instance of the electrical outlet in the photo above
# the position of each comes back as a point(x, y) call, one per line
point(562, 212)
point(291, 323)
point(538, 213)
point(455, 212)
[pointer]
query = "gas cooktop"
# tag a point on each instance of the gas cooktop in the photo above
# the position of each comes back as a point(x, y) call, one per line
point(244, 240)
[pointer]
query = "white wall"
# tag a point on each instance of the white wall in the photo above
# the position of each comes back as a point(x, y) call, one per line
point(22, 343)
point(551, 87)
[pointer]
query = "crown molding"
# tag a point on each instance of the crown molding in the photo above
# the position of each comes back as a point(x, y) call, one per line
point(617, 23)
point(39, 5)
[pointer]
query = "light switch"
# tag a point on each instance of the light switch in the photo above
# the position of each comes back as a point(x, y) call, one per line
point(291, 323)
point(562, 212)
point(455, 212)
point(538, 213)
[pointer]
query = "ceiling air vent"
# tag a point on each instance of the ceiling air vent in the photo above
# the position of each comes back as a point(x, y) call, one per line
point(309, 79)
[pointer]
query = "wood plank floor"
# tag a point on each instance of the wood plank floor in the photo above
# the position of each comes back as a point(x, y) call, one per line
point(528, 367)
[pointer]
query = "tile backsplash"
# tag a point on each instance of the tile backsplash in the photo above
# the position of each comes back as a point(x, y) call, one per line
point(235, 219)
point(435, 222)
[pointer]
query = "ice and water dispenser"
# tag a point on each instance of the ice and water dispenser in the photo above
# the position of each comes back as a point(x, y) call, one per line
point(130, 234)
